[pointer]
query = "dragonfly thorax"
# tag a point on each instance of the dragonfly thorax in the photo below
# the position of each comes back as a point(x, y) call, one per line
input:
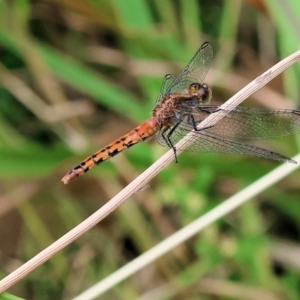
point(201, 91)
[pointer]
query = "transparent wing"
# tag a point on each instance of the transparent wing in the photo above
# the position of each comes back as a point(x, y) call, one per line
point(243, 122)
point(168, 79)
point(195, 71)
point(207, 142)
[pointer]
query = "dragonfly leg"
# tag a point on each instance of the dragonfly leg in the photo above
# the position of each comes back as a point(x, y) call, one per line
point(168, 141)
point(164, 137)
point(195, 125)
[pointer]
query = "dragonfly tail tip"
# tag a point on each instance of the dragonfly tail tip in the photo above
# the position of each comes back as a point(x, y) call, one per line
point(65, 180)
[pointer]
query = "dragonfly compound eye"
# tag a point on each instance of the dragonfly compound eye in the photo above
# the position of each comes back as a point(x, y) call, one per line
point(204, 93)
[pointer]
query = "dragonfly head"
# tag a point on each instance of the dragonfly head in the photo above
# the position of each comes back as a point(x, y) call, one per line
point(202, 91)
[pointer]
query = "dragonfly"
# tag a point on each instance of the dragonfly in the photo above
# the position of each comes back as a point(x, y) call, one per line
point(183, 103)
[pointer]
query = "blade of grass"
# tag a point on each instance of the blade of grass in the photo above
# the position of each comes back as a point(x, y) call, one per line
point(83, 79)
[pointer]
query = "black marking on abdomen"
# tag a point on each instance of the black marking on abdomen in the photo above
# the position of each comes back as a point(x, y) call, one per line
point(100, 160)
point(81, 167)
point(96, 162)
point(141, 137)
point(115, 152)
point(129, 145)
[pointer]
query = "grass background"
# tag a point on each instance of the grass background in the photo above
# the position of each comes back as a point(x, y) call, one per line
point(74, 75)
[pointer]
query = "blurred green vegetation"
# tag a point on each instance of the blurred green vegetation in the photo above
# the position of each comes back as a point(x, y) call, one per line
point(74, 75)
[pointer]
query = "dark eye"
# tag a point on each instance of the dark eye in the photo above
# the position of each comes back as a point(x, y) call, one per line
point(205, 93)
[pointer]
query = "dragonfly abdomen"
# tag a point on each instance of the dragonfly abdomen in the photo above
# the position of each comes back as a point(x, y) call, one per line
point(138, 134)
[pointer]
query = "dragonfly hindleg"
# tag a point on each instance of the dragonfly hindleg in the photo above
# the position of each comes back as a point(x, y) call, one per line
point(168, 140)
